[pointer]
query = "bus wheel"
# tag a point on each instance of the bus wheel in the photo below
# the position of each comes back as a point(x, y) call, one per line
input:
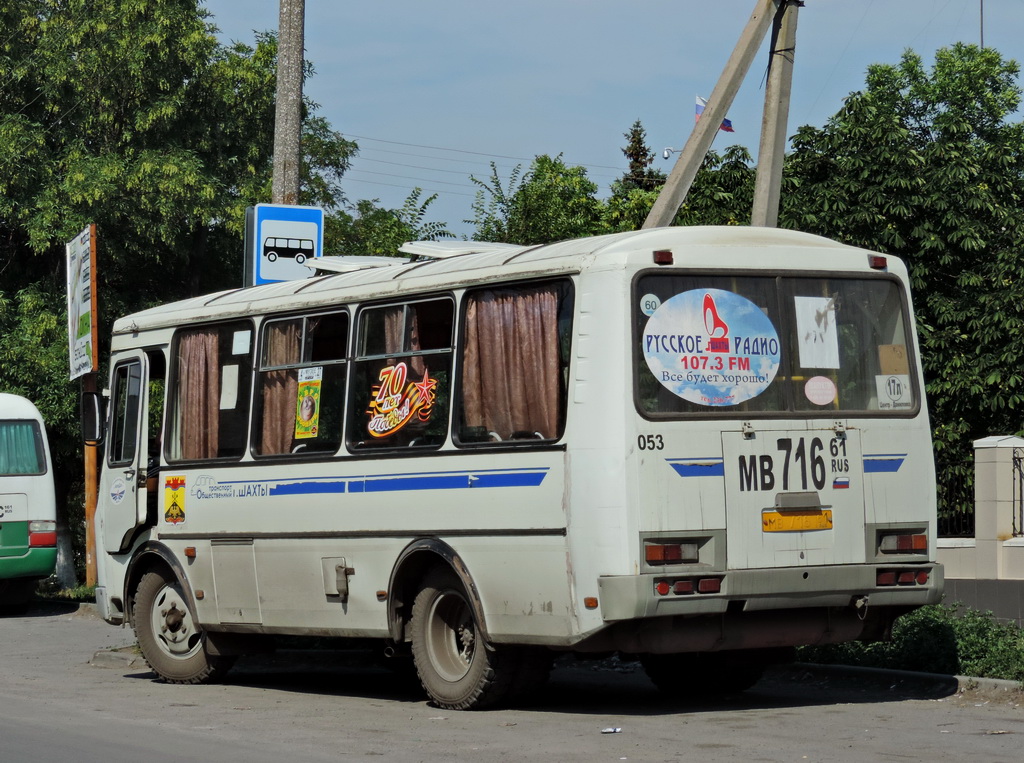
point(171, 642)
point(300, 258)
point(272, 256)
point(456, 668)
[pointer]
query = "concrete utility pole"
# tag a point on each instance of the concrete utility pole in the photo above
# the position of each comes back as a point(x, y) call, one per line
point(770, 156)
point(288, 118)
point(681, 178)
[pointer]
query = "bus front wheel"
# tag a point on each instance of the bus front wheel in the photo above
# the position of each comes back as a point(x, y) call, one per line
point(171, 642)
point(456, 668)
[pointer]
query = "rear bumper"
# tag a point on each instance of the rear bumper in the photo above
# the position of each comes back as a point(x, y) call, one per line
point(756, 609)
point(630, 597)
point(34, 563)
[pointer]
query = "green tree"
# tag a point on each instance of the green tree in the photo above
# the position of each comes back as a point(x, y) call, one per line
point(551, 202)
point(128, 114)
point(924, 164)
point(369, 229)
point(722, 194)
point(639, 174)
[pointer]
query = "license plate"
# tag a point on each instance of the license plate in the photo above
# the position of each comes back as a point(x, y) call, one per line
point(773, 521)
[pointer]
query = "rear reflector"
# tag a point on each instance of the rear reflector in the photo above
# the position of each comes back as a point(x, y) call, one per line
point(877, 262)
point(683, 586)
point(662, 587)
point(886, 578)
point(902, 577)
point(42, 534)
point(663, 257)
point(709, 585)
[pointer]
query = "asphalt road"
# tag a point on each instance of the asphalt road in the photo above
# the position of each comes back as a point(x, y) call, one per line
point(69, 689)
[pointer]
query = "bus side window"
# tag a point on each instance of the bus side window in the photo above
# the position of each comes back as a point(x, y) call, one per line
point(210, 392)
point(301, 385)
point(401, 378)
point(515, 360)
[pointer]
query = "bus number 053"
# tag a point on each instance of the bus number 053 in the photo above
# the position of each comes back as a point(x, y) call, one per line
point(650, 442)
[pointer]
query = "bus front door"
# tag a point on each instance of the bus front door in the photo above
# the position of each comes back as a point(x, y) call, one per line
point(122, 492)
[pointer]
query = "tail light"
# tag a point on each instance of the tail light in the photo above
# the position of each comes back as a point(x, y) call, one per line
point(670, 553)
point(42, 534)
point(908, 543)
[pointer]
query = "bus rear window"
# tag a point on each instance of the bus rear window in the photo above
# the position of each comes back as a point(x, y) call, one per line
point(764, 345)
point(21, 448)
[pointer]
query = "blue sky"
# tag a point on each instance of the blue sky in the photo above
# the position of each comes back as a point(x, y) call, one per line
point(434, 90)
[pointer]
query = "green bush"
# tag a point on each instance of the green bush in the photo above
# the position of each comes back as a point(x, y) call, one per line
point(937, 639)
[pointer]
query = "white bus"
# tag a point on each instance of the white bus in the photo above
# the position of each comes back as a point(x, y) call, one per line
point(28, 508)
point(699, 446)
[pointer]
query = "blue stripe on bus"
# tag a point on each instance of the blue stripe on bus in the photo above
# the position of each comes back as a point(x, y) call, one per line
point(307, 488)
point(883, 462)
point(698, 467)
point(384, 483)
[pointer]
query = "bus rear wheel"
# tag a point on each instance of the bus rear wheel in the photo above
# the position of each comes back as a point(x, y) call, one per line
point(456, 668)
point(171, 642)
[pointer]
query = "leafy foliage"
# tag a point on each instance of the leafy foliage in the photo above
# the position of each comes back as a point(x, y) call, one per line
point(551, 202)
point(370, 229)
point(128, 114)
point(924, 165)
point(937, 639)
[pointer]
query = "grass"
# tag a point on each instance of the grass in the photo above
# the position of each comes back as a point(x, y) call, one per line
point(944, 639)
point(51, 590)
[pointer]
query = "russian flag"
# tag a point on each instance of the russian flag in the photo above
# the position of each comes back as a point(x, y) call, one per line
point(701, 103)
point(841, 483)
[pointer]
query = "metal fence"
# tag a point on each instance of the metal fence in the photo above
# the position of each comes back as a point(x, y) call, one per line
point(1018, 492)
point(957, 525)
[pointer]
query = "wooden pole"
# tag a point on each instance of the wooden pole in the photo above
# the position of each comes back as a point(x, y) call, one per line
point(768, 185)
point(288, 114)
point(673, 193)
point(90, 456)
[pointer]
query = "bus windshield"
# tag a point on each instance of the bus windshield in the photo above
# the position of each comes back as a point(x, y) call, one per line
point(765, 345)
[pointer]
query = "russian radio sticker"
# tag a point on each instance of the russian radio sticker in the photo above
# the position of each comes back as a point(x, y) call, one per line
point(711, 347)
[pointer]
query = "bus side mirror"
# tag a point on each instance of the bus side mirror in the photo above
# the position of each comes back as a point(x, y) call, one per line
point(92, 418)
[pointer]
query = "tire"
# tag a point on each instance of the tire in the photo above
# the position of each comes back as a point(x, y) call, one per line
point(457, 670)
point(272, 256)
point(300, 258)
point(715, 675)
point(173, 645)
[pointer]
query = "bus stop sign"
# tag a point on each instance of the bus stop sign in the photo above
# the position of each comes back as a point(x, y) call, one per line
point(279, 238)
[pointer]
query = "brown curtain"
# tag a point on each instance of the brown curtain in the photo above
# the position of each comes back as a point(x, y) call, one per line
point(280, 388)
point(394, 339)
point(510, 362)
point(199, 394)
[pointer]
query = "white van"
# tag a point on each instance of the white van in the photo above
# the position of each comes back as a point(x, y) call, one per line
point(28, 508)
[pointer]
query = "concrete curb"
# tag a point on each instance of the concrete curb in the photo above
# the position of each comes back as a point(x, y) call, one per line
point(939, 681)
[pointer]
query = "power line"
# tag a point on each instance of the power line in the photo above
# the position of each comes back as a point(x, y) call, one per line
point(409, 188)
point(472, 153)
